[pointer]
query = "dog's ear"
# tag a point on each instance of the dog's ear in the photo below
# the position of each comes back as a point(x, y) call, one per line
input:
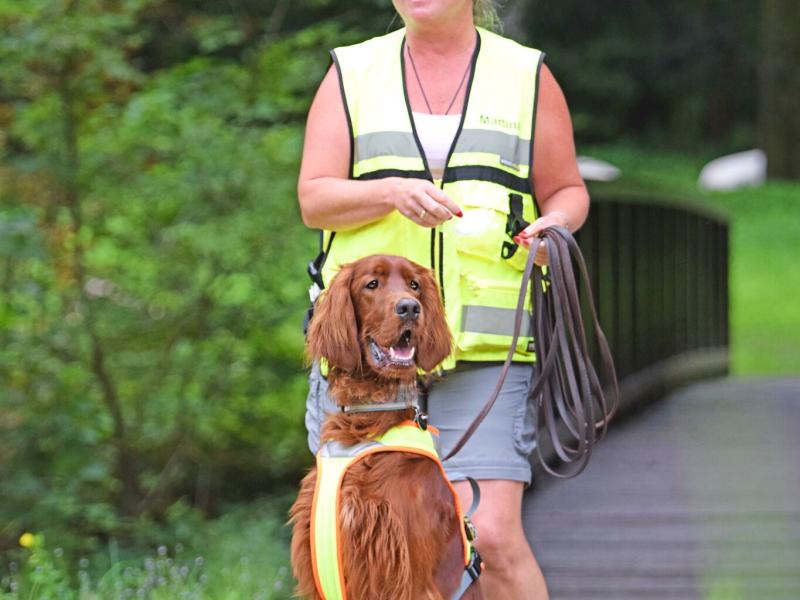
point(333, 332)
point(434, 341)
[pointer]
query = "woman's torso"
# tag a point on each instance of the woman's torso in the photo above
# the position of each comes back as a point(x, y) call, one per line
point(486, 171)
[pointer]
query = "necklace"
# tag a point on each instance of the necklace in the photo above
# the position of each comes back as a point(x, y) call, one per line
point(422, 89)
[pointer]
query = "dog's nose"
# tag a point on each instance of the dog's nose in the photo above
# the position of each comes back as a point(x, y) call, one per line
point(407, 309)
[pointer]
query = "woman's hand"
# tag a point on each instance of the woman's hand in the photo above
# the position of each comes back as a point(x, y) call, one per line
point(527, 235)
point(421, 201)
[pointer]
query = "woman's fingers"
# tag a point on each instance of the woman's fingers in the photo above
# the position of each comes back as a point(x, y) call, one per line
point(528, 235)
point(435, 211)
point(554, 218)
point(542, 258)
point(425, 204)
point(444, 201)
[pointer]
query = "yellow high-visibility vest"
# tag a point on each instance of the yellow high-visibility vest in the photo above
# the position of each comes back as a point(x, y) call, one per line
point(477, 264)
point(333, 460)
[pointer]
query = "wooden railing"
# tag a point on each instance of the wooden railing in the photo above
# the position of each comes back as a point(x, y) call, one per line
point(660, 281)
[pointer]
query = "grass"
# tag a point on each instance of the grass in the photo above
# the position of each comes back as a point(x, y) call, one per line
point(242, 555)
point(764, 249)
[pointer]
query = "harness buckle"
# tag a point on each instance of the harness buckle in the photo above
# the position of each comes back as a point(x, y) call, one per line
point(470, 529)
point(314, 270)
point(313, 292)
point(420, 418)
point(475, 565)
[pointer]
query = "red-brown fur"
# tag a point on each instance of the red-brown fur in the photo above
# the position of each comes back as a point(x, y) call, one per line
point(400, 532)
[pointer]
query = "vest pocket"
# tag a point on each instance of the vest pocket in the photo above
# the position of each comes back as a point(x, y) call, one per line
point(488, 314)
point(483, 232)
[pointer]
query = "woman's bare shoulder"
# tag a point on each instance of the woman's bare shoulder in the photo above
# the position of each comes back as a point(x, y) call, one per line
point(326, 150)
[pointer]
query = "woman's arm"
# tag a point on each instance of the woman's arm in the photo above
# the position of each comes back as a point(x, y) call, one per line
point(329, 200)
point(557, 183)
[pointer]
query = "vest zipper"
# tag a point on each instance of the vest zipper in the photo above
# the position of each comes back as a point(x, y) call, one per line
point(474, 60)
point(428, 174)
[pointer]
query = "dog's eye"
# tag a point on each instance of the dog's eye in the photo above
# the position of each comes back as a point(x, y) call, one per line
point(372, 284)
point(414, 285)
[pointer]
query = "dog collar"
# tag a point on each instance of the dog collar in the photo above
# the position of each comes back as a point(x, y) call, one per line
point(381, 407)
point(406, 398)
point(420, 418)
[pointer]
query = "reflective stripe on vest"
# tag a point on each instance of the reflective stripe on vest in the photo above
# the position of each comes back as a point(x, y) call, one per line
point(513, 151)
point(333, 460)
point(494, 321)
point(490, 159)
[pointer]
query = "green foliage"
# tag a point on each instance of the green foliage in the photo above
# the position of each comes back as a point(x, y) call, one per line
point(43, 572)
point(242, 555)
point(678, 74)
point(765, 282)
point(151, 264)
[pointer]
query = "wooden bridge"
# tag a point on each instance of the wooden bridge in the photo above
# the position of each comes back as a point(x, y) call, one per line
point(695, 492)
point(696, 496)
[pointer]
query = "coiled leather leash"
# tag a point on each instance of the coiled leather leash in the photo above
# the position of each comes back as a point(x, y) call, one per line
point(567, 388)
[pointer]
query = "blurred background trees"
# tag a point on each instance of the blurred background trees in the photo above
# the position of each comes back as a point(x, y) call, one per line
point(779, 88)
point(152, 257)
point(672, 74)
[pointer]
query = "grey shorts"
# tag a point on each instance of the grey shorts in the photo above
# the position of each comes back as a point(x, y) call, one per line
point(501, 447)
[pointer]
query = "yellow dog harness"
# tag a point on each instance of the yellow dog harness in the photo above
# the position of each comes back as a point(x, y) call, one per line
point(333, 460)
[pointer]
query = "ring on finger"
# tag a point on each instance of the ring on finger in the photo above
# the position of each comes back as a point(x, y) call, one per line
point(422, 214)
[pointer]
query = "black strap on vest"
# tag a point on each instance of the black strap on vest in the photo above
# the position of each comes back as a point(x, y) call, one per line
point(514, 224)
point(567, 388)
point(314, 270)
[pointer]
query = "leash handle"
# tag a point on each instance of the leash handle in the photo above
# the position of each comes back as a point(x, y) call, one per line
point(568, 386)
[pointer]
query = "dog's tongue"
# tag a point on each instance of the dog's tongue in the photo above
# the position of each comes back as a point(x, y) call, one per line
point(402, 351)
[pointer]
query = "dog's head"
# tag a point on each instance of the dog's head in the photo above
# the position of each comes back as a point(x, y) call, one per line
point(381, 316)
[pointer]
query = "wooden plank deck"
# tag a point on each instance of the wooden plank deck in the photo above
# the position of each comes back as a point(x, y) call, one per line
point(695, 497)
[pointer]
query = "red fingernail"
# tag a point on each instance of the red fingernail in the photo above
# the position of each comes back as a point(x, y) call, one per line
point(517, 239)
point(460, 214)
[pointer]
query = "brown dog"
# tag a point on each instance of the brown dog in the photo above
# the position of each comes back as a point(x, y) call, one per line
point(400, 533)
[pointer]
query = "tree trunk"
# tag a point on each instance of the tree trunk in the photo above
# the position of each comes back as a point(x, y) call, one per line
point(126, 468)
point(779, 88)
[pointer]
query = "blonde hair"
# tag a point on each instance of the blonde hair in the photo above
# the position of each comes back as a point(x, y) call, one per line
point(484, 13)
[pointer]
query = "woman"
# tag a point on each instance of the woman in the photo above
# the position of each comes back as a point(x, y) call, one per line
point(452, 146)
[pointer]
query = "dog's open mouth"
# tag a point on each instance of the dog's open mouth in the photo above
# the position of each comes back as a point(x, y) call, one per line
point(401, 354)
